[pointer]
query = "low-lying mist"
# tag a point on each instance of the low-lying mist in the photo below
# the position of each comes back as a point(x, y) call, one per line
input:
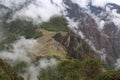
point(23, 58)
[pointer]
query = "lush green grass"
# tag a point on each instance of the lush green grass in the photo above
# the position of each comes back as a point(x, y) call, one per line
point(57, 54)
point(55, 24)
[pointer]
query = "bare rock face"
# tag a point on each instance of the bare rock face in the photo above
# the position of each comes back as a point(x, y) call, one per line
point(106, 40)
point(78, 48)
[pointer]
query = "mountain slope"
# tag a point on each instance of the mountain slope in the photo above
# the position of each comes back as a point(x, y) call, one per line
point(8, 73)
point(102, 37)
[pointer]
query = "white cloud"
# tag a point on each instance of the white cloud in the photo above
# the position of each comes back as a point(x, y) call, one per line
point(12, 3)
point(81, 3)
point(102, 3)
point(117, 64)
point(43, 10)
point(114, 1)
point(21, 50)
point(58, 1)
point(39, 10)
point(101, 24)
point(98, 3)
point(24, 51)
point(115, 17)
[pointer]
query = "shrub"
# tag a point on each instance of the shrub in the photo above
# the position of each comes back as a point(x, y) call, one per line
point(58, 37)
point(55, 24)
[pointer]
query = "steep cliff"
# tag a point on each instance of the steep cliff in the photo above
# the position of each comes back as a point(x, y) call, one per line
point(103, 41)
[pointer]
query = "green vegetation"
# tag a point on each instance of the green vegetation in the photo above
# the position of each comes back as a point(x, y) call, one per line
point(110, 75)
point(69, 69)
point(87, 69)
point(58, 37)
point(55, 24)
point(3, 75)
point(65, 70)
point(55, 53)
point(7, 73)
point(72, 69)
point(18, 28)
point(23, 28)
point(92, 67)
point(20, 67)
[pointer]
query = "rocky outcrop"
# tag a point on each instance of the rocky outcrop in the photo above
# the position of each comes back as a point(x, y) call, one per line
point(78, 48)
